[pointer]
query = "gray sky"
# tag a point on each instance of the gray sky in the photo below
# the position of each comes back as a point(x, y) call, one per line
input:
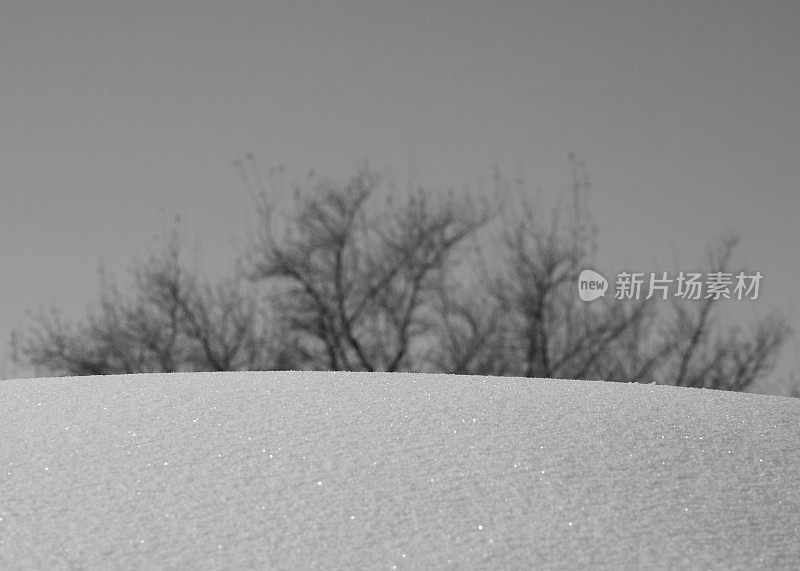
point(116, 115)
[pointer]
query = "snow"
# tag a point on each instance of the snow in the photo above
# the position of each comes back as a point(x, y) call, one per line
point(298, 470)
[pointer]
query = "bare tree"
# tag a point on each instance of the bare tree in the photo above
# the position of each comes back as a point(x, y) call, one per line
point(172, 322)
point(347, 282)
point(359, 286)
point(554, 334)
point(471, 334)
point(706, 357)
point(547, 331)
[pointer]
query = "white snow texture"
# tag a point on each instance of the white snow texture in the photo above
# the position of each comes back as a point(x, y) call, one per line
point(292, 470)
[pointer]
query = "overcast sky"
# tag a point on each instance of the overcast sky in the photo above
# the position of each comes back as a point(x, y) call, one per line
point(116, 115)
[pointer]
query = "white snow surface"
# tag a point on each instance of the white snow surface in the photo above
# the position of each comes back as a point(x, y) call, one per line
point(299, 470)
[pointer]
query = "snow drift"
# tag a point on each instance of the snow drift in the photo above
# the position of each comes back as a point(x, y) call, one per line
point(298, 470)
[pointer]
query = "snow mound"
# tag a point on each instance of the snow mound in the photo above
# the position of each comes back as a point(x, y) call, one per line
point(297, 470)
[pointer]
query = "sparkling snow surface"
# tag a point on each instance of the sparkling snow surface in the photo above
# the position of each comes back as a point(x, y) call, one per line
point(376, 471)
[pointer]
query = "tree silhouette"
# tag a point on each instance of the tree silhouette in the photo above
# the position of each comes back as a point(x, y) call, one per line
point(337, 279)
point(173, 322)
point(358, 287)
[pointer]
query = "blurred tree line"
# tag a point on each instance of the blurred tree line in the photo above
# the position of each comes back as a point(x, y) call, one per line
point(363, 277)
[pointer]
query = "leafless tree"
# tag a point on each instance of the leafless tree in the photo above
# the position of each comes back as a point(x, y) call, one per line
point(334, 278)
point(706, 357)
point(539, 326)
point(549, 332)
point(172, 322)
point(359, 285)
